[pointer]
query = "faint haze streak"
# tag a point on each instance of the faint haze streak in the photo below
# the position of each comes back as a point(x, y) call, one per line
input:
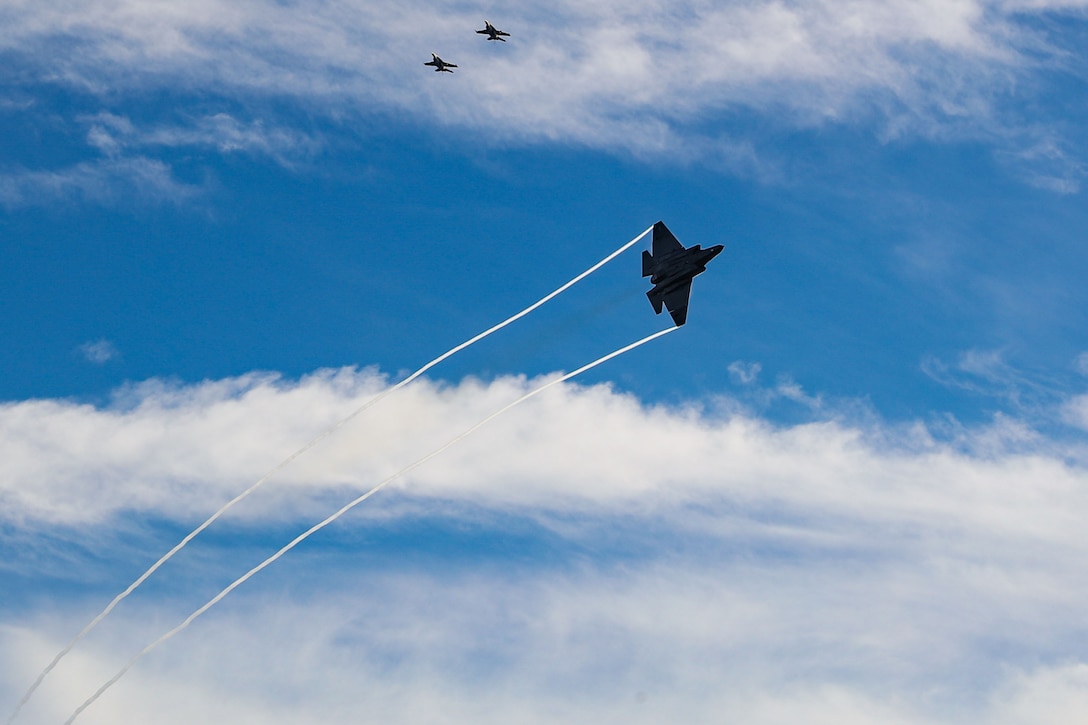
point(347, 507)
point(322, 436)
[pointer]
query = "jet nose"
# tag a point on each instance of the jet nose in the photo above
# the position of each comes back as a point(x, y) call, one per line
point(716, 250)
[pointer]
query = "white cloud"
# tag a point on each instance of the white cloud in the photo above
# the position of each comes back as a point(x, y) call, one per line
point(639, 75)
point(1075, 412)
point(1057, 695)
point(987, 373)
point(99, 351)
point(108, 181)
point(417, 660)
point(755, 641)
point(125, 174)
point(744, 373)
point(790, 389)
point(163, 449)
point(108, 131)
point(1047, 164)
point(112, 134)
point(821, 572)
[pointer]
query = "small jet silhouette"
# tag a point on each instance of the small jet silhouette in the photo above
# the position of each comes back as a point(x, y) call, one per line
point(671, 268)
point(492, 32)
point(440, 66)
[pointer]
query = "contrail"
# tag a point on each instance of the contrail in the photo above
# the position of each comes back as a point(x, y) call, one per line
point(343, 510)
point(211, 519)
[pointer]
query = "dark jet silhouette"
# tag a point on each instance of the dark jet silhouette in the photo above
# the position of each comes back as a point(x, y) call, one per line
point(440, 66)
point(492, 32)
point(671, 269)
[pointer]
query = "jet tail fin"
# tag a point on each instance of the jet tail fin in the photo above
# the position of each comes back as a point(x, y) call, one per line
point(647, 263)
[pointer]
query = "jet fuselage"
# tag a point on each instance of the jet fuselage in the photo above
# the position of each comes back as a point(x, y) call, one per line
point(679, 268)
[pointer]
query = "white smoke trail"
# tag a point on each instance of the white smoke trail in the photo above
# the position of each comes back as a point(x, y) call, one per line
point(211, 519)
point(343, 510)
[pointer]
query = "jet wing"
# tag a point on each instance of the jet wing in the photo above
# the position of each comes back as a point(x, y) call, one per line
point(664, 243)
point(676, 302)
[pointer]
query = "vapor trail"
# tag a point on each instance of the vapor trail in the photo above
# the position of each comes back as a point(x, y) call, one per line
point(211, 519)
point(343, 510)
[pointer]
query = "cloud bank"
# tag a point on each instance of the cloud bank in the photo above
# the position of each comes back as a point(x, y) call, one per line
point(642, 76)
point(702, 564)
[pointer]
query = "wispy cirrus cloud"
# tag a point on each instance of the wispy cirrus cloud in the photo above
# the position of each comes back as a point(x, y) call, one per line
point(640, 76)
point(113, 135)
point(1033, 395)
point(107, 181)
point(126, 171)
point(1048, 163)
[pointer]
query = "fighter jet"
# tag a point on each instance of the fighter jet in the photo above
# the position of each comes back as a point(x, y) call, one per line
point(440, 66)
point(492, 32)
point(671, 268)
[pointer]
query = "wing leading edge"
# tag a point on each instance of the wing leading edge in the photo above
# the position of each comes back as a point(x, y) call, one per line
point(664, 243)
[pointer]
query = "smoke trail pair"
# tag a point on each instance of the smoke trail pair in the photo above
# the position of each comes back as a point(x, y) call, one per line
point(343, 510)
point(211, 519)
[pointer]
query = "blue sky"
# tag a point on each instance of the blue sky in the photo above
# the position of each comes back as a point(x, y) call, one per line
point(851, 487)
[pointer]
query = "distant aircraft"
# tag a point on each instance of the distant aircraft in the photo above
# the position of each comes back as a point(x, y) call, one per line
point(440, 66)
point(492, 32)
point(671, 269)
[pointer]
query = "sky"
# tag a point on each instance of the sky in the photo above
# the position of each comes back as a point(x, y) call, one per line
point(851, 489)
